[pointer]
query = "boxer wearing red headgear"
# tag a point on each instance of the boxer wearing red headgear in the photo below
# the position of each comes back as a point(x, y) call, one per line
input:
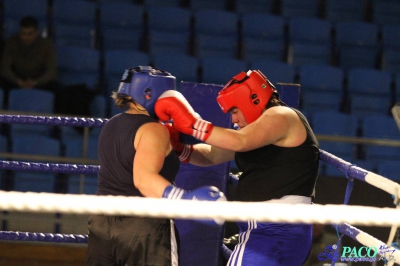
point(276, 151)
point(250, 92)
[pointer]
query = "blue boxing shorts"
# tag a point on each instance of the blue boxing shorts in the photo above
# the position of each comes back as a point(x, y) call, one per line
point(273, 244)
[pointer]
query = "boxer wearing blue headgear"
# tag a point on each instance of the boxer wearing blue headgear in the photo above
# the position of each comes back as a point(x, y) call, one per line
point(145, 84)
point(136, 159)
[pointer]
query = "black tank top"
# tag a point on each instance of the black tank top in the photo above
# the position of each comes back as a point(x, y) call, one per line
point(271, 172)
point(116, 153)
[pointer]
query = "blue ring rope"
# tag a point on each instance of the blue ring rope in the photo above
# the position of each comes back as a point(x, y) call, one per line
point(351, 171)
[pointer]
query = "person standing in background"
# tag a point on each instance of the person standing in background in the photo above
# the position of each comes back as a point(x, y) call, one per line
point(28, 60)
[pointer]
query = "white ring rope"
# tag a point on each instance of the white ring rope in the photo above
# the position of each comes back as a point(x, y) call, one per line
point(383, 183)
point(228, 211)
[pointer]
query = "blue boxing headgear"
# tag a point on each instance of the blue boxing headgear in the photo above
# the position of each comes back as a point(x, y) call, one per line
point(145, 84)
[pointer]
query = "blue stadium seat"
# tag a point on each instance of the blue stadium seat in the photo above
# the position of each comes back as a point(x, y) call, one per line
point(66, 12)
point(169, 29)
point(340, 124)
point(122, 15)
point(98, 106)
point(183, 67)
point(363, 105)
point(315, 101)
point(369, 81)
point(309, 41)
point(369, 90)
point(321, 87)
point(211, 4)
point(75, 28)
point(356, 33)
point(73, 35)
point(321, 78)
point(309, 29)
point(219, 70)
point(391, 36)
point(258, 49)
point(252, 6)
point(391, 60)
point(342, 10)
point(34, 101)
point(305, 8)
point(386, 12)
point(78, 65)
point(365, 164)
point(335, 123)
point(148, 3)
point(34, 145)
point(74, 147)
point(11, 27)
point(72, 27)
point(169, 18)
point(3, 144)
point(95, 132)
point(215, 22)
point(89, 184)
point(301, 53)
point(122, 25)
point(389, 169)
point(122, 38)
point(357, 44)
point(67, 132)
point(31, 100)
point(34, 182)
point(263, 26)
point(168, 41)
point(115, 1)
point(116, 61)
point(350, 57)
point(218, 46)
point(18, 9)
point(219, 24)
point(275, 71)
point(380, 127)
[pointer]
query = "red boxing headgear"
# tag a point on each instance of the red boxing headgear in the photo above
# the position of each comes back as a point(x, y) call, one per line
point(250, 92)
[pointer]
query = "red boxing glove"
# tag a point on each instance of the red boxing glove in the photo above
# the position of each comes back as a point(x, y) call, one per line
point(172, 105)
point(183, 150)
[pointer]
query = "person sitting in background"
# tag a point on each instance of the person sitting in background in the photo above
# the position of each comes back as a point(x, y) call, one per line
point(28, 60)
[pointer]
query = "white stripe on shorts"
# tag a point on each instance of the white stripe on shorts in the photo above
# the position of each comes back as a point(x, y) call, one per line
point(237, 254)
